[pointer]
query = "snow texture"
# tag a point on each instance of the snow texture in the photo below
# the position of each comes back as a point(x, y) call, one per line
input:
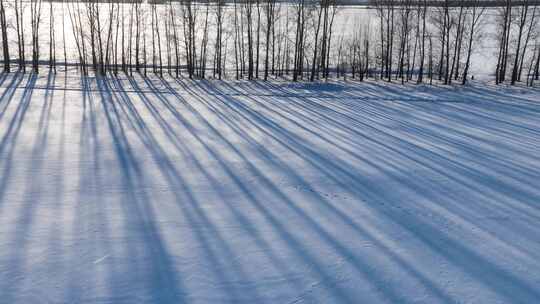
point(135, 190)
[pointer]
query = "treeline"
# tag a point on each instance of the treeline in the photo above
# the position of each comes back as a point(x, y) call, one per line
point(422, 43)
point(402, 40)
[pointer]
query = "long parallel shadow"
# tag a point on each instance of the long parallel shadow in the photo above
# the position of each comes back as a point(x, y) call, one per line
point(419, 129)
point(460, 254)
point(3, 77)
point(420, 133)
point(11, 131)
point(375, 126)
point(56, 261)
point(224, 119)
point(6, 133)
point(175, 181)
point(90, 199)
point(18, 251)
point(321, 231)
point(307, 117)
point(259, 204)
point(274, 220)
point(200, 216)
point(485, 266)
point(448, 135)
point(195, 214)
point(165, 285)
point(312, 111)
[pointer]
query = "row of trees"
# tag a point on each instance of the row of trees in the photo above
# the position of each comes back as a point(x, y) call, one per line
point(433, 42)
point(517, 29)
point(172, 37)
point(401, 40)
point(438, 42)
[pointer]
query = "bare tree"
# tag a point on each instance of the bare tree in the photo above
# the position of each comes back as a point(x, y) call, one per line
point(35, 18)
point(504, 37)
point(218, 48)
point(270, 24)
point(423, 12)
point(204, 43)
point(530, 33)
point(476, 15)
point(316, 39)
point(299, 39)
point(5, 42)
point(19, 22)
point(522, 21)
point(52, 47)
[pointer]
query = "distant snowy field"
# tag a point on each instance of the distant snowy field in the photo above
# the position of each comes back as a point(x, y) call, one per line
point(151, 191)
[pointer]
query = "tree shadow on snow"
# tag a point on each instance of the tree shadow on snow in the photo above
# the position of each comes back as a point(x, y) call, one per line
point(208, 191)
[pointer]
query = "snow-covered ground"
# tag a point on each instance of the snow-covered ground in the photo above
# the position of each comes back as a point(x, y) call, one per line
point(166, 191)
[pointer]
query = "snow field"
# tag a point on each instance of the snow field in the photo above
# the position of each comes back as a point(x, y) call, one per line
point(136, 190)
